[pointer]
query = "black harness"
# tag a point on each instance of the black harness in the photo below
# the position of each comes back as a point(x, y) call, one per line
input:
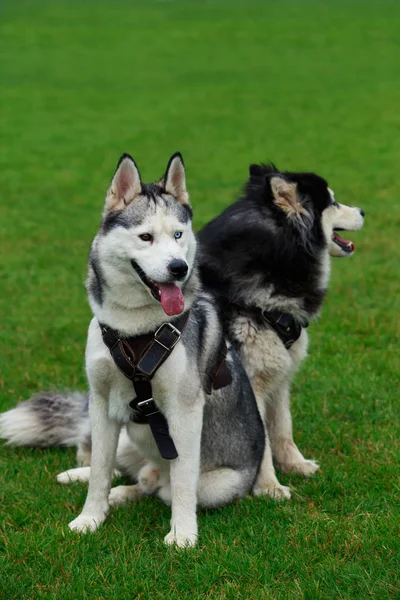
point(284, 324)
point(139, 358)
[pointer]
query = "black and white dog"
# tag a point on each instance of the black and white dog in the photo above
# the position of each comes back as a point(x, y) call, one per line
point(266, 260)
point(142, 273)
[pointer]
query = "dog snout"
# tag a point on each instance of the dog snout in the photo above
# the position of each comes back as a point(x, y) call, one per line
point(362, 213)
point(178, 268)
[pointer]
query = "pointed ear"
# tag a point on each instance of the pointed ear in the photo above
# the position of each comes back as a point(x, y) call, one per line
point(175, 179)
point(125, 185)
point(286, 197)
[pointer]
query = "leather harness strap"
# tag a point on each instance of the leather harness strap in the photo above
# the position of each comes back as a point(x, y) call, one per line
point(285, 325)
point(220, 376)
point(139, 358)
point(144, 353)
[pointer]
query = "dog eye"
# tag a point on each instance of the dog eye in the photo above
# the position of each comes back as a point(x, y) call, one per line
point(146, 237)
point(334, 203)
point(177, 235)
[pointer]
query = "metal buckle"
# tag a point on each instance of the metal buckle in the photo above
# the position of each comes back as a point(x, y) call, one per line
point(174, 330)
point(145, 403)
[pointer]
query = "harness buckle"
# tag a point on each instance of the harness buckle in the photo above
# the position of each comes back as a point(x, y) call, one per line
point(145, 404)
point(173, 329)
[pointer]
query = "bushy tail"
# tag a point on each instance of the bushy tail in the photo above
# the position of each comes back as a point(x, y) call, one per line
point(47, 419)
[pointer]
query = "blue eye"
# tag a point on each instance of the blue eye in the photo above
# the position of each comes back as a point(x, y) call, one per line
point(177, 235)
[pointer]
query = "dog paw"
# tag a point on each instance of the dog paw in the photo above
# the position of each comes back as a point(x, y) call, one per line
point(86, 523)
point(305, 467)
point(81, 474)
point(123, 494)
point(181, 539)
point(149, 478)
point(276, 491)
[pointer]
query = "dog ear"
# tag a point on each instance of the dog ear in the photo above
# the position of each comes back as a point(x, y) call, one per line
point(125, 185)
point(285, 196)
point(174, 180)
point(256, 171)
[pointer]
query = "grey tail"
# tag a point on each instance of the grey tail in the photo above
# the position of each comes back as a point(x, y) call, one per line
point(47, 419)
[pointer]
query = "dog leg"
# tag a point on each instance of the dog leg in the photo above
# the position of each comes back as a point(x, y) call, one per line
point(267, 482)
point(83, 455)
point(185, 427)
point(287, 456)
point(105, 434)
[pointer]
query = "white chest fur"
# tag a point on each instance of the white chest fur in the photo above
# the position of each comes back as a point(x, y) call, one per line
point(267, 362)
point(173, 384)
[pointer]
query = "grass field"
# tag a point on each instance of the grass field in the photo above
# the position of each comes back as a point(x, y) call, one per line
point(310, 85)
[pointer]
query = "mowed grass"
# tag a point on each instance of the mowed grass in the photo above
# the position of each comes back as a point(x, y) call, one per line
point(309, 85)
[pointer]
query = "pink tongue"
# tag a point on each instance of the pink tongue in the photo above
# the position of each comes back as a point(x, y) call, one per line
point(342, 241)
point(172, 299)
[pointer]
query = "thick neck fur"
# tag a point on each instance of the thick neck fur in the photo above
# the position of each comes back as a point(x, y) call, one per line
point(120, 300)
point(249, 257)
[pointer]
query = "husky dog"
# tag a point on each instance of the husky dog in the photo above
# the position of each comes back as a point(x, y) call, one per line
point(267, 254)
point(266, 261)
point(142, 272)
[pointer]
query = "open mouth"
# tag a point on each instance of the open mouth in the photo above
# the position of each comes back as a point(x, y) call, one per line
point(168, 294)
point(344, 245)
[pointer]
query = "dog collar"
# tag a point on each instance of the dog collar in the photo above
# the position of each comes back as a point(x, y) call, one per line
point(285, 325)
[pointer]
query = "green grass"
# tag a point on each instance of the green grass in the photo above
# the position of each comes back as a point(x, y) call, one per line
point(310, 85)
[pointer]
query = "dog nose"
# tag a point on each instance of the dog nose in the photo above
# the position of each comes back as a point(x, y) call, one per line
point(178, 268)
point(362, 212)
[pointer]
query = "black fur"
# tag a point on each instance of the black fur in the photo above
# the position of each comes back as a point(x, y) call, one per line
point(96, 282)
point(120, 218)
point(253, 245)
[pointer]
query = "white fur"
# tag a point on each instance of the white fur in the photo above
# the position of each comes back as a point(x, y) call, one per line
point(343, 217)
point(128, 307)
point(16, 426)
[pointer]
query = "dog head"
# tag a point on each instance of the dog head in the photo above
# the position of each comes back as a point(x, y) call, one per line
point(146, 239)
point(271, 248)
point(305, 204)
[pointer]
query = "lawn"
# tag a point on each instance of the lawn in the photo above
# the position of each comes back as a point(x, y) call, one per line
point(309, 85)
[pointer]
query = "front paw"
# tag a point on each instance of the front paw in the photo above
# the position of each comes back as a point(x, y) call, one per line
point(276, 491)
point(86, 523)
point(181, 539)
